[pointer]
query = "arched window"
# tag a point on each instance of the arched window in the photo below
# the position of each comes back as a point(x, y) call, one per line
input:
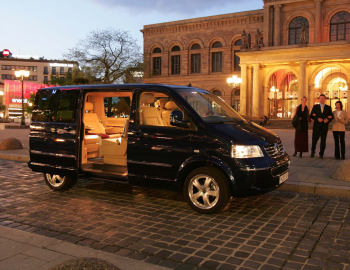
point(340, 27)
point(175, 49)
point(196, 46)
point(157, 50)
point(295, 30)
point(195, 59)
point(217, 44)
point(238, 43)
point(217, 92)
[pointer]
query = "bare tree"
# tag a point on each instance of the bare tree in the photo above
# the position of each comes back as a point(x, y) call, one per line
point(106, 54)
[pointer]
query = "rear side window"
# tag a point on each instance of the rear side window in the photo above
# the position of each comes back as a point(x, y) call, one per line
point(56, 106)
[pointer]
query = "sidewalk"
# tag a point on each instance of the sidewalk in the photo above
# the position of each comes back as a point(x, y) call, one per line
point(23, 250)
point(308, 175)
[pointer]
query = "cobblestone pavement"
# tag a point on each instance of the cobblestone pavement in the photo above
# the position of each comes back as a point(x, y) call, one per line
point(278, 230)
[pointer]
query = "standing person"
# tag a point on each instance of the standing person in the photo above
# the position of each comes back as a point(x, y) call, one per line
point(301, 143)
point(340, 119)
point(322, 115)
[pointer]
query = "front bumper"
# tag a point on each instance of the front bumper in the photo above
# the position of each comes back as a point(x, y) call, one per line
point(257, 180)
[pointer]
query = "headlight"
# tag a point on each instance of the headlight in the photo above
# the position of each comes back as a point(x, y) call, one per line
point(246, 151)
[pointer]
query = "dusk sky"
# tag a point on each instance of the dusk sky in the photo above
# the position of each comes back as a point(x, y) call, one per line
point(49, 28)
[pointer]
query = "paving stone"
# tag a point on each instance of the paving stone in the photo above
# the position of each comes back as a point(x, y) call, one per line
point(280, 228)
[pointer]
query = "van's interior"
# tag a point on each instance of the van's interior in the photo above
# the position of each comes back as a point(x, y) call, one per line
point(106, 121)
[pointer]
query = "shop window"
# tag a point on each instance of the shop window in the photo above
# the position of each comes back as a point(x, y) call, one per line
point(295, 30)
point(340, 27)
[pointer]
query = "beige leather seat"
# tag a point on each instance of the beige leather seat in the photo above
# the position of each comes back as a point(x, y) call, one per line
point(91, 147)
point(91, 121)
point(169, 107)
point(160, 105)
point(114, 151)
point(93, 124)
point(149, 115)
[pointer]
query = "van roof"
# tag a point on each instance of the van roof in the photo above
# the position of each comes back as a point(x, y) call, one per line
point(106, 86)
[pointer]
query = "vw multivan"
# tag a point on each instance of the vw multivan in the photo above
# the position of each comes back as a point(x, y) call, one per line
point(164, 136)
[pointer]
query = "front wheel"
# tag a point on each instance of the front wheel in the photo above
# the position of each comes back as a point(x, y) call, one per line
point(206, 190)
point(58, 182)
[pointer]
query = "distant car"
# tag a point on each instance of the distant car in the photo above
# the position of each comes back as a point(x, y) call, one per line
point(172, 137)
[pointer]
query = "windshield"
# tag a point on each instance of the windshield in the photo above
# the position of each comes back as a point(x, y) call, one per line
point(211, 108)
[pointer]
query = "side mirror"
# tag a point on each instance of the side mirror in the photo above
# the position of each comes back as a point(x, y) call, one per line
point(176, 119)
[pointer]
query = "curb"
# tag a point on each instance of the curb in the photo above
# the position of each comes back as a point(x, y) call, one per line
point(14, 157)
point(318, 189)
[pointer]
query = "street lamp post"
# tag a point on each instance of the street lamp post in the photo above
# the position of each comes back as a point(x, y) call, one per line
point(22, 74)
point(234, 82)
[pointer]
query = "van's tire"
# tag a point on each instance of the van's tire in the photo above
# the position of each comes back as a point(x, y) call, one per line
point(59, 182)
point(202, 181)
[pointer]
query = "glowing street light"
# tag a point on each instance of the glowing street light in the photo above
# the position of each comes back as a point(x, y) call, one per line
point(234, 81)
point(22, 74)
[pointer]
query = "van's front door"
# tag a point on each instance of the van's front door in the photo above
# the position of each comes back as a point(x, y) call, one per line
point(54, 132)
point(156, 150)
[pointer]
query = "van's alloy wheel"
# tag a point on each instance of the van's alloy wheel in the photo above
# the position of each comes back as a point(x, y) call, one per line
point(207, 190)
point(203, 191)
point(59, 182)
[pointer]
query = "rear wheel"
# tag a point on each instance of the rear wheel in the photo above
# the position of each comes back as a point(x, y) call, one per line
point(206, 190)
point(59, 182)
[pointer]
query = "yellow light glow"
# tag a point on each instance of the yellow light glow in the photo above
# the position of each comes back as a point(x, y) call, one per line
point(234, 81)
point(20, 73)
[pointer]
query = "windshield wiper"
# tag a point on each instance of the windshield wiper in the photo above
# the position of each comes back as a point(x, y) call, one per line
point(216, 122)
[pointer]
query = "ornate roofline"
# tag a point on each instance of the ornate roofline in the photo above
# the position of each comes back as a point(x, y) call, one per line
point(233, 19)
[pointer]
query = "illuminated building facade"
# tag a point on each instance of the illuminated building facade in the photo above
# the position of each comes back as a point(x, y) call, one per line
point(289, 49)
point(40, 73)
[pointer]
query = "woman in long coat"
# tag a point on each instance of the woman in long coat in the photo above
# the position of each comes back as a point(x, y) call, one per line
point(301, 143)
point(340, 119)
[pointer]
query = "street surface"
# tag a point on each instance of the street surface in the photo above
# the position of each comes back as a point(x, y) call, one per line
point(278, 230)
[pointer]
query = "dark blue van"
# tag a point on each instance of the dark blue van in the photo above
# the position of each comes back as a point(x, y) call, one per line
point(164, 136)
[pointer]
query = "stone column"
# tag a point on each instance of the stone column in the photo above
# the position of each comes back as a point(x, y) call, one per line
point(243, 90)
point(348, 100)
point(266, 108)
point(318, 21)
point(266, 26)
point(255, 95)
point(311, 97)
point(302, 79)
point(277, 38)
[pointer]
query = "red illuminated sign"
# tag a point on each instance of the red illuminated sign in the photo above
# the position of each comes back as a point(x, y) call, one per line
point(6, 52)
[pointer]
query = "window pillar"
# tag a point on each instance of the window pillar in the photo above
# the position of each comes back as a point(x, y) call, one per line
point(243, 93)
point(277, 38)
point(256, 87)
point(318, 21)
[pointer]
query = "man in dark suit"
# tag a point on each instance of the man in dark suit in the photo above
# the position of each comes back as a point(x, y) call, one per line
point(322, 115)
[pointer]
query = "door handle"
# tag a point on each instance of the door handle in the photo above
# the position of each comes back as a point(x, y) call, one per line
point(68, 128)
point(138, 133)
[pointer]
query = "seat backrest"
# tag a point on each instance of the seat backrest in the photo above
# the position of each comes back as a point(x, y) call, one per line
point(91, 119)
point(160, 105)
point(169, 106)
point(149, 115)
